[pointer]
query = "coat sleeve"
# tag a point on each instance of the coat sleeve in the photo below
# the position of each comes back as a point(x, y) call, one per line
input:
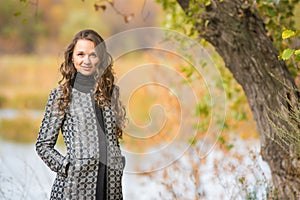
point(48, 134)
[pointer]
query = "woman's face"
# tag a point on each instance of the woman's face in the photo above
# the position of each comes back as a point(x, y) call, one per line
point(84, 57)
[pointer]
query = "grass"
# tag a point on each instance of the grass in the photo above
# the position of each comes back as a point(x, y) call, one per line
point(26, 80)
point(20, 129)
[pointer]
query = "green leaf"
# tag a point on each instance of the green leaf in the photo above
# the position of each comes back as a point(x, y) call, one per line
point(221, 139)
point(245, 6)
point(271, 12)
point(287, 34)
point(18, 13)
point(229, 146)
point(192, 141)
point(287, 53)
point(297, 52)
point(207, 3)
point(242, 180)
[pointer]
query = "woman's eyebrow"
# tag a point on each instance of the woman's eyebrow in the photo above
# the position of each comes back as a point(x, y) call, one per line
point(84, 51)
point(79, 51)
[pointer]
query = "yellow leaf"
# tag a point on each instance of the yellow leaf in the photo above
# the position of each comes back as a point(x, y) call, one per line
point(287, 34)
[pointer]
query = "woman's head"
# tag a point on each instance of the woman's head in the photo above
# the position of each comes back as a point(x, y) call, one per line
point(85, 58)
point(87, 49)
point(87, 54)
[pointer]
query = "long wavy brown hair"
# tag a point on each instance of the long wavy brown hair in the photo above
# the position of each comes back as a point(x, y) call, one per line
point(105, 91)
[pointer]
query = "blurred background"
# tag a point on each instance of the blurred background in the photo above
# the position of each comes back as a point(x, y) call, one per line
point(33, 37)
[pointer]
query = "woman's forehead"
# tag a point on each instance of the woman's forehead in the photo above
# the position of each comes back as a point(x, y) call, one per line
point(84, 45)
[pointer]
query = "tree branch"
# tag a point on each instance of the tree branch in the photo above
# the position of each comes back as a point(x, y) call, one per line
point(184, 4)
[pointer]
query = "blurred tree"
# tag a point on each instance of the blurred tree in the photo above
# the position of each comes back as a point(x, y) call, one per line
point(44, 26)
point(247, 35)
point(20, 25)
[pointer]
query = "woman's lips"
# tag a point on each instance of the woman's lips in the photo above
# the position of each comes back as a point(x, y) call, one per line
point(86, 67)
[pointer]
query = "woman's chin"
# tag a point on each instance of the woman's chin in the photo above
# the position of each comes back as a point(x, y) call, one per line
point(87, 72)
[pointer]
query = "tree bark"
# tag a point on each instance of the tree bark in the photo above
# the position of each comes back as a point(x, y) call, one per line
point(239, 36)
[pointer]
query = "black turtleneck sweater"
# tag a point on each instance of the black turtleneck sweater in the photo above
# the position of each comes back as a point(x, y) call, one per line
point(86, 84)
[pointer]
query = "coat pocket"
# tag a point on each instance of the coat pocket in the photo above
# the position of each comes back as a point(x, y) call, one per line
point(63, 171)
point(81, 169)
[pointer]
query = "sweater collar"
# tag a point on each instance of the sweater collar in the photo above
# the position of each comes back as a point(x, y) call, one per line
point(84, 83)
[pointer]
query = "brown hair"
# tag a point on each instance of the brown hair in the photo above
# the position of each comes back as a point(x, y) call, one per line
point(105, 91)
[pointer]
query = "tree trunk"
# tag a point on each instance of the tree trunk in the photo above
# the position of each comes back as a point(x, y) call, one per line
point(239, 36)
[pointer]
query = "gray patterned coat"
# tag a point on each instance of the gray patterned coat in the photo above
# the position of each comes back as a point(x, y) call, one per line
point(79, 130)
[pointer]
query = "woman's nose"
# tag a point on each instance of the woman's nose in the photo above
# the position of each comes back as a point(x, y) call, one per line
point(86, 59)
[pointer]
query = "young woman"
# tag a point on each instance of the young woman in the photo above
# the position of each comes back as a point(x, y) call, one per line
point(87, 110)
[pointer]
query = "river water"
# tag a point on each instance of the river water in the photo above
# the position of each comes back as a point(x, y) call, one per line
point(22, 173)
point(13, 113)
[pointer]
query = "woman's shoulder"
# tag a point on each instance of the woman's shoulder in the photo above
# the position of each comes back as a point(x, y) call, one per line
point(57, 91)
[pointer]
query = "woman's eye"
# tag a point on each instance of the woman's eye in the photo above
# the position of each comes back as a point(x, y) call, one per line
point(80, 54)
point(93, 55)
